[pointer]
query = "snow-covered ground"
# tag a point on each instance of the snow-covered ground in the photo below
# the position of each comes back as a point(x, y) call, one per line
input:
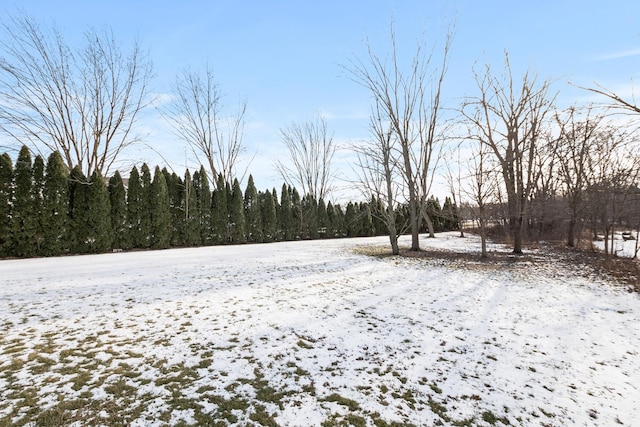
point(623, 248)
point(306, 333)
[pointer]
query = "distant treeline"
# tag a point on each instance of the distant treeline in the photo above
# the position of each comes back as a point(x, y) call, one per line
point(47, 210)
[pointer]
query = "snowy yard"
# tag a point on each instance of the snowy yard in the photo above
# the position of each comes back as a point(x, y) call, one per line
point(314, 333)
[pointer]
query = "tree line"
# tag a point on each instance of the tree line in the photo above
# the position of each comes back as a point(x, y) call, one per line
point(47, 210)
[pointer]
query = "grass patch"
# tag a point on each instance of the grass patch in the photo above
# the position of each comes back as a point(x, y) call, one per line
point(340, 400)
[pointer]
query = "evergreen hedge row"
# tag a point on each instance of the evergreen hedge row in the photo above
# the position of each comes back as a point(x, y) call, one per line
point(47, 210)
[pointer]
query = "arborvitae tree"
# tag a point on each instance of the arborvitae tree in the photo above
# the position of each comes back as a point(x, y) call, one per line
point(55, 207)
point(351, 221)
point(203, 194)
point(119, 223)
point(310, 215)
point(276, 205)
point(160, 212)
point(331, 221)
point(38, 189)
point(99, 218)
point(145, 208)
point(191, 235)
point(269, 219)
point(366, 221)
point(296, 217)
point(450, 215)
point(175, 188)
point(238, 230)
point(135, 208)
point(23, 219)
point(323, 219)
point(252, 213)
point(435, 213)
point(6, 202)
point(285, 217)
point(220, 212)
point(90, 213)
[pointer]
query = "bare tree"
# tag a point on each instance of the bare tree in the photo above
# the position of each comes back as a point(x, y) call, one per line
point(82, 102)
point(410, 102)
point(311, 150)
point(379, 174)
point(509, 118)
point(198, 118)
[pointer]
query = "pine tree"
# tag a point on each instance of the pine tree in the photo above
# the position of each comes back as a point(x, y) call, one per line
point(268, 213)
point(23, 219)
point(220, 212)
point(238, 230)
point(56, 206)
point(6, 202)
point(285, 219)
point(119, 222)
point(252, 212)
point(160, 212)
point(134, 208)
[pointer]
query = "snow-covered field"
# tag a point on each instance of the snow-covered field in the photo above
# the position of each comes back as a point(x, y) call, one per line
point(313, 333)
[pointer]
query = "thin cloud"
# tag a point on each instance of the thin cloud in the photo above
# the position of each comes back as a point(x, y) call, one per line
point(619, 55)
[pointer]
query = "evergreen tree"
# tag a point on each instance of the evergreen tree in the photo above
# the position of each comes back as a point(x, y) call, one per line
point(118, 203)
point(252, 213)
point(238, 230)
point(331, 221)
point(366, 221)
point(285, 218)
point(23, 219)
point(435, 213)
point(55, 206)
point(6, 202)
point(175, 188)
point(90, 213)
point(296, 215)
point(351, 221)
point(203, 195)
point(268, 213)
point(220, 212)
point(310, 215)
point(145, 207)
point(38, 190)
point(160, 211)
point(276, 206)
point(134, 208)
point(323, 218)
point(191, 236)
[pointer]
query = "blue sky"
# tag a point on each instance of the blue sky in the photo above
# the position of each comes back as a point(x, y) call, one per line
point(286, 58)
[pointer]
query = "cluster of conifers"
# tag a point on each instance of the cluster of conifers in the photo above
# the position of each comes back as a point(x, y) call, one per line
point(47, 210)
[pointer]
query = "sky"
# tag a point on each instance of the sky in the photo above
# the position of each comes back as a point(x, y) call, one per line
point(289, 59)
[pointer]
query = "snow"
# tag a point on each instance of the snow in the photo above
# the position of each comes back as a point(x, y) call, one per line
point(421, 341)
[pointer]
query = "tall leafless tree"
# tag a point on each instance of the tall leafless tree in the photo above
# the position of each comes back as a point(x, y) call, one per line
point(410, 101)
point(510, 117)
point(82, 102)
point(311, 150)
point(198, 118)
point(379, 175)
